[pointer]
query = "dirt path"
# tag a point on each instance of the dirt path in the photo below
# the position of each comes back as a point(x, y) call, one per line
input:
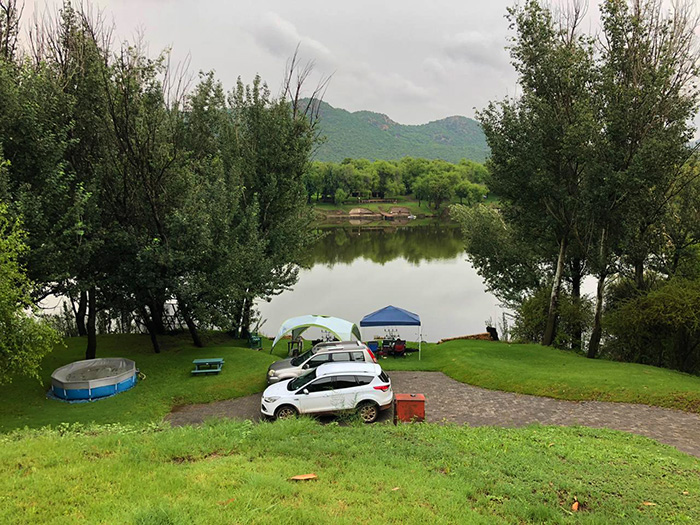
point(448, 400)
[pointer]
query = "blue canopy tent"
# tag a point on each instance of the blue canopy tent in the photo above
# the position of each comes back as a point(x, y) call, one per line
point(393, 316)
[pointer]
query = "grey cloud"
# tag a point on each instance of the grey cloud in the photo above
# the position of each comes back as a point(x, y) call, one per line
point(435, 68)
point(280, 37)
point(382, 85)
point(477, 49)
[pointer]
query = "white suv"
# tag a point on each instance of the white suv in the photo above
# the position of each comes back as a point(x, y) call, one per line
point(331, 388)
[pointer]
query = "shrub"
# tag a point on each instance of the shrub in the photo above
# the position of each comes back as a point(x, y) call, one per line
point(659, 328)
point(531, 319)
point(340, 196)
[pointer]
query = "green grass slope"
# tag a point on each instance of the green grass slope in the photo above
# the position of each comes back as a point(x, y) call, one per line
point(364, 134)
point(528, 369)
point(229, 472)
point(545, 371)
point(168, 381)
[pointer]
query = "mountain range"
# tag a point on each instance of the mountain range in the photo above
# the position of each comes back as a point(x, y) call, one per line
point(374, 136)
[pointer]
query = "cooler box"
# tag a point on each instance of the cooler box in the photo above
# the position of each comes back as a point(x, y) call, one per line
point(409, 408)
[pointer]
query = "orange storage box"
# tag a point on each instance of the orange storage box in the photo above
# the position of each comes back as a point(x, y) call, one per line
point(409, 408)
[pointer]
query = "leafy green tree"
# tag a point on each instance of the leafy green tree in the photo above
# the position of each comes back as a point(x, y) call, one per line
point(340, 196)
point(389, 178)
point(540, 143)
point(647, 95)
point(473, 193)
point(313, 180)
point(70, 45)
point(269, 147)
point(679, 230)
point(440, 189)
point(421, 191)
point(509, 264)
point(9, 28)
point(25, 339)
point(473, 171)
point(411, 169)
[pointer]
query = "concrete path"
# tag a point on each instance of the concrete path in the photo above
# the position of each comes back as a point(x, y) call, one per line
point(448, 400)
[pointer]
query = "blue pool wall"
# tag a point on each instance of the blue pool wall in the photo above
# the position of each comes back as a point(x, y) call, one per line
point(94, 393)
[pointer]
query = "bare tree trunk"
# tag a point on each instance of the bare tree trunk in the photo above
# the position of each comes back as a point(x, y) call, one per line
point(150, 326)
point(597, 332)
point(190, 324)
point(236, 318)
point(156, 308)
point(245, 319)
point(91, 350)
point(80, 314)
point(554, 297)
point(639, 274)
point(576, 278)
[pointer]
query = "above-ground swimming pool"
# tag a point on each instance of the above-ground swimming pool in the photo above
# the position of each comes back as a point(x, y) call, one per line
point(93, 378)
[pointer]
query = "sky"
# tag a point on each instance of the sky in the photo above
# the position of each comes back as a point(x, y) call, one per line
point(413, 60)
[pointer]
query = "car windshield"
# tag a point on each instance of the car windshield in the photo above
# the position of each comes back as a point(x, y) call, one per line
point(303, 357)
point(300, 381)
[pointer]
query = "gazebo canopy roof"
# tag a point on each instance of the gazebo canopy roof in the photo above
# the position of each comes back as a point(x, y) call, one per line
point(343, 330)
point(391, 316)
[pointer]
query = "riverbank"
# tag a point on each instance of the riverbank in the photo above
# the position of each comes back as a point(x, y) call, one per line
point(401, 210)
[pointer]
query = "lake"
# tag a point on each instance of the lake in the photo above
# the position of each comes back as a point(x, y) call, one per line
point(357, 270)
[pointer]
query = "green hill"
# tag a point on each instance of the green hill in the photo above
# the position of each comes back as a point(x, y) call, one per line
point(374, 136)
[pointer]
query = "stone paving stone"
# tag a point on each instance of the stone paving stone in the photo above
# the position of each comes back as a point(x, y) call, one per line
point(448, 400)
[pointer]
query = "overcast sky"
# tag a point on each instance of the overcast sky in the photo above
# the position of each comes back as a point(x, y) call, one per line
point(415, 61)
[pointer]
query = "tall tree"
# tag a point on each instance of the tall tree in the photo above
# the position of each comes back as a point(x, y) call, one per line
point(269, 148)
point(540, 142)
point(10, 15)
point(74, 45)
point(647, 95)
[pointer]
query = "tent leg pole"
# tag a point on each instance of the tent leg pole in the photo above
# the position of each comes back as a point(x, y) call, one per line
point(420, 341)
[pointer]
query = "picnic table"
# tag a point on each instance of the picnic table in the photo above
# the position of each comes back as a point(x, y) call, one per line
point(208, 365)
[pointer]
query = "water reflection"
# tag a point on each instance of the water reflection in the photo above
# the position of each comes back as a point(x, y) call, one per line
point(381, 245)
point(356, 271)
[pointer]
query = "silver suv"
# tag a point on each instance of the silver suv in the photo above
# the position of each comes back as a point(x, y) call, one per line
point(333, 352)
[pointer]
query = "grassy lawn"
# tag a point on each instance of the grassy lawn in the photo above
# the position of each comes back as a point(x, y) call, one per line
point(168, 381)
point(528, 369)
point(231, 472)
point(543, 371)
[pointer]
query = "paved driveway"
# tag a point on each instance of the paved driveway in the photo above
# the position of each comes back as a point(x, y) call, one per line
point(448, 400)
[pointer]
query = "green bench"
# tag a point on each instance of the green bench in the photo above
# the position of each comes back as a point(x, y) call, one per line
point(209, 365)
point(255, 341)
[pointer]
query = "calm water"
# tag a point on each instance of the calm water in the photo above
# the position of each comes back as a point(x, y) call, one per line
point(356, 271)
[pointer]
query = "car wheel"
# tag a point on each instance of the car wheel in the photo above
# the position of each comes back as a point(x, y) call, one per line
point(286, 412)
point(368, 411)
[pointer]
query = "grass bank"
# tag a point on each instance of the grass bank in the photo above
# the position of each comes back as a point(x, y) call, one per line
point(229, 472)
point(527, 369)
point(405, 202)
point(168, 381)
point(544, 371)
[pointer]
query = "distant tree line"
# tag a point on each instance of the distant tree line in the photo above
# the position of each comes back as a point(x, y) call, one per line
point(597, 178)
point(433, 181)
point(148, 202)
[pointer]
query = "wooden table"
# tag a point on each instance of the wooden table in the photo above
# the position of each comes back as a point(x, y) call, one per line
point(208, 365)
